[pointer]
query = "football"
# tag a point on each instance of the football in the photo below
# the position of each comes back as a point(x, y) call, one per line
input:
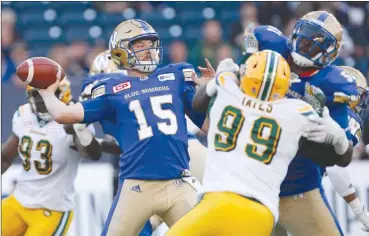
point(39, 72)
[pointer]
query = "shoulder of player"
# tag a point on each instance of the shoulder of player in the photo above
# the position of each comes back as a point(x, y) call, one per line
point(269, 33)
point(222, 78)
point(24, 110)
point(298, 106)
point(338, 85)
point(107, 82)
point(183, 68)
point(336, 80)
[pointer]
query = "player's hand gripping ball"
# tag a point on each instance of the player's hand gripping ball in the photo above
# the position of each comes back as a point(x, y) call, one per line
point(40, 72)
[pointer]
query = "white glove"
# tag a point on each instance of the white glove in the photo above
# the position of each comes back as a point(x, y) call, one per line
point(84, 135)
point(363, 218)
point(249, 40)
point(326, 130)
point(227, 65)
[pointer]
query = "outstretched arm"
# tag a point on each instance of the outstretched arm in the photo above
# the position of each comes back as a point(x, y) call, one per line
point(9, 152)
point(62, 113)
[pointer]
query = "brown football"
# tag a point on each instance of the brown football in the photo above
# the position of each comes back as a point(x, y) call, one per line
point(40, 72)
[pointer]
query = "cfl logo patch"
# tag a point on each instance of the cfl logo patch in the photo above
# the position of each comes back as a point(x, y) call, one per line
point(122, 86)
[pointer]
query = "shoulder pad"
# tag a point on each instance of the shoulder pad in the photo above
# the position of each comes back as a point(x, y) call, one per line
point(222, 77)
point(106, 84)
point(91, 79)
point(184, 67)
point(338, 86)
point(22, 112)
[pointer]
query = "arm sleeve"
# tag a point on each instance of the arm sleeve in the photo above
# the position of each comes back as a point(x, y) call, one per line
point(269, 37)
point(97, 108)
point(340, 180)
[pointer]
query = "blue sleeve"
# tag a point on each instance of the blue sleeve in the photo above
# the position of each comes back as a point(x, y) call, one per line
point(270, 38)
point(197, 118)
point(339, 87)
point(339, 113)
point(97, 108)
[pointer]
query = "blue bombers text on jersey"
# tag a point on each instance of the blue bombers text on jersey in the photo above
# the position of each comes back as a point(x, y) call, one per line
point(149, 113)
point(304, 175)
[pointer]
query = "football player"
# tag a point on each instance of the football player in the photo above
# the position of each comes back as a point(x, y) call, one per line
point(250, 144)
point(339, 176)
point(148, 106)
point(103, 65)
point(312, 47)
point(43, 200)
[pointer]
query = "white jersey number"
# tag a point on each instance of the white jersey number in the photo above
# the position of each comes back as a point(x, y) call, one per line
point(44, 147)
point(145, 131)
point(265, 132)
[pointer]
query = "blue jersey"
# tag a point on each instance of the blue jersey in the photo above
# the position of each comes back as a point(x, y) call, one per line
point(303, 175)
point(149, 113)
point(107, 125)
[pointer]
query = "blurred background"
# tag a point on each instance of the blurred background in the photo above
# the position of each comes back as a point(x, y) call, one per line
point(73, 33)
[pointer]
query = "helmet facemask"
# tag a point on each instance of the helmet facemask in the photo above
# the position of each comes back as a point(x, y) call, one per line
point(312, 45)
point(38, 105)
point(363, 105)
point(126, 55)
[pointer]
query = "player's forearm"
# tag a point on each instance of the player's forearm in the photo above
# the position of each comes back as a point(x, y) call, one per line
point(110, 147)
point(201, 99)
point(62, 113)
point(340, 180)
point(92, 151)
point(345, 158)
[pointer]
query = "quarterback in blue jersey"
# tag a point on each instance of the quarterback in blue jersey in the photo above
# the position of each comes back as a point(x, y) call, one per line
point(148, 106)
point(102, 65)
point(339, 176)
point(313, 45)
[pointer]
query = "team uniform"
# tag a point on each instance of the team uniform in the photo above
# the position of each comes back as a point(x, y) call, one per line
point(149, 113)
point(301, 191)
point(250, 144)
point(43, 200)
point(110, 128)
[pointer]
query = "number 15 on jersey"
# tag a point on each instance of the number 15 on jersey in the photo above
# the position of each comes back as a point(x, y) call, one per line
point(156, 103)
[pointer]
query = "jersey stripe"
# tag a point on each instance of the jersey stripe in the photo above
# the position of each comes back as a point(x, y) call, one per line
point(323, 17)
point(62, 224)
